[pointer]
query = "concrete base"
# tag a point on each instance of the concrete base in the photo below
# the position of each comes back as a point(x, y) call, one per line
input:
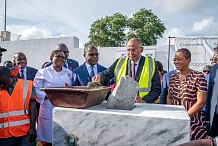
point(146, 124)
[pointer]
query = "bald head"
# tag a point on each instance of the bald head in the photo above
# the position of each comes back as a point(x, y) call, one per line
point(135, 40)
point(64, 49)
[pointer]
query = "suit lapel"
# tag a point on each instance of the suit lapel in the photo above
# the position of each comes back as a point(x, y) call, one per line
point(85, 70)
point(27, 73)
point(65, 63)
point(140, 66)
point(214, 97)
point(129, 68)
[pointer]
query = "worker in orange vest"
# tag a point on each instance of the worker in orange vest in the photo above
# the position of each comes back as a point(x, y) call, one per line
point(17, 110)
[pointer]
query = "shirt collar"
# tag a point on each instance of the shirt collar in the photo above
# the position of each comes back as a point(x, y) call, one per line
point(24, 70)
point(52, 68)
point(88, 65)
point(137, 62)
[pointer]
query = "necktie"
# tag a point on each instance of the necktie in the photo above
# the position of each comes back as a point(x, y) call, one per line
point(92, 73)
point(22, 74)
point(133, 70)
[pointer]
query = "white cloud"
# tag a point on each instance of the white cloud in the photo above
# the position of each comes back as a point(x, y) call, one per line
point(171, 32)
point(178, 6)
point(175, 32)
point(35, 33)
point(28, 32)
point(207, 22)
point(205, 27)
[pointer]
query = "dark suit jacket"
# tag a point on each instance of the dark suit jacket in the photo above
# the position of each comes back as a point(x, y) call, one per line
point(165, 85)
point(107, 75)
point(81, 76)
point(211, 93)
point(30, 73)
point(72, 64)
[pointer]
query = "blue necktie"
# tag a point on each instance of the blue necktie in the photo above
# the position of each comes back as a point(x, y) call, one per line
point(22, 74)
point(92, 73)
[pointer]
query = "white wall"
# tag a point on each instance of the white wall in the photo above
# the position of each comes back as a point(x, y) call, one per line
point(38, 51)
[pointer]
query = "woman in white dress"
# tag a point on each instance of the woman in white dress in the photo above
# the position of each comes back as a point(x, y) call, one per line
point(52, 76)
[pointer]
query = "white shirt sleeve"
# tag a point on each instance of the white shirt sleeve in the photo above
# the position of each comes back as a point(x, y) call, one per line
point(39, 83)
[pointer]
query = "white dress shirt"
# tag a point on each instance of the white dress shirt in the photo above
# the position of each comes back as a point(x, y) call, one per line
point(89, 68)
point(24, 73)
point(136, 65)
point(48, 77)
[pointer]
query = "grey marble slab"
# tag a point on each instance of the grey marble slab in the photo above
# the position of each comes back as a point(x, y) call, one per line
point(146, 124)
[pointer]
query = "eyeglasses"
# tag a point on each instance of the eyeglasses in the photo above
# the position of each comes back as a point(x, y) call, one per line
point(60, 57)
point(133, 50)
point(65, 52)
point(206, 71)
point(93, 54)
point(214, 59)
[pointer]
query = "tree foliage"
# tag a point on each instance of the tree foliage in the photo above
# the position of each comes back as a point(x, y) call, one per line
point(115, 30)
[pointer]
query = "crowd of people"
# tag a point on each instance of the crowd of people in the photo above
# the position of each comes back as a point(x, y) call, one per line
point(23, 104)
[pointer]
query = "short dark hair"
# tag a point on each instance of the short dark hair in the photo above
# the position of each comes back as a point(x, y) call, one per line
point(53, 53)
point(215, 48)
point(5, 73)
point(7, 62)
point(186, 52)
point(159, 65)
point(86, 48)
point(19, 53)
point(60, 46)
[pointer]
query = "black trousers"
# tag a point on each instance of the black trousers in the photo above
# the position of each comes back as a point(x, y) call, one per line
point(214, 128)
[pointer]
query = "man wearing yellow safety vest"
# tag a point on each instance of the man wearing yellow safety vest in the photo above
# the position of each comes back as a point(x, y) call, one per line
point(142, 69)
point(17, 110)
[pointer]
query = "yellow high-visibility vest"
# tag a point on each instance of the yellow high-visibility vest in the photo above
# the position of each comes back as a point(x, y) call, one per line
point(145, 77)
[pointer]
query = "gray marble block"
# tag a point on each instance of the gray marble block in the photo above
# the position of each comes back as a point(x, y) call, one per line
point(124, 94)
point(145, 125)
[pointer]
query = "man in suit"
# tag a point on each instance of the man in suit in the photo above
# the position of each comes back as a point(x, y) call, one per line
point(211, 109)
point(140, 68)
point(165, 85)
point(2, 50)
point(69, 63)
point(25, 72)
point(84, 73)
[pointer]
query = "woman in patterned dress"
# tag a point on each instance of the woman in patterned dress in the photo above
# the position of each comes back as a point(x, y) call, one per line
point(188, 88)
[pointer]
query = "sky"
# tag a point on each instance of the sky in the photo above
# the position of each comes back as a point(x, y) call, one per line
point(36, 19)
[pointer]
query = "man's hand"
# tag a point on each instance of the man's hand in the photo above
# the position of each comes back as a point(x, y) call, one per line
point(139, 100)
point(96, 79)
point(31, 135)
point(15, 70)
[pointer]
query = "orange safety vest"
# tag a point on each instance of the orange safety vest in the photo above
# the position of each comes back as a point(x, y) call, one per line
point(14, 110)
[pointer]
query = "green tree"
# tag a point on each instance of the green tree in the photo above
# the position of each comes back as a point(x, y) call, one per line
point(115, 30)
point(146, 26)
point(108, 31)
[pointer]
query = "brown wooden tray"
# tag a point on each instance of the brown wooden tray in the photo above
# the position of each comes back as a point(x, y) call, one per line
point(76, 96)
